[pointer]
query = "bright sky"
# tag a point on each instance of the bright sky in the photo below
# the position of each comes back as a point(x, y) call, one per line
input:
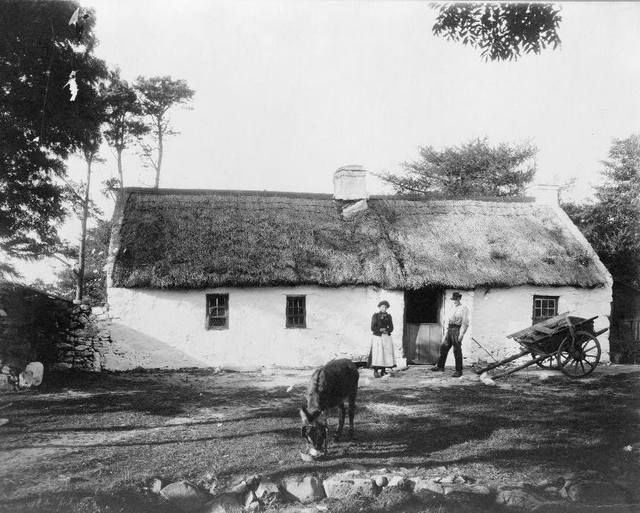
point(288, 91)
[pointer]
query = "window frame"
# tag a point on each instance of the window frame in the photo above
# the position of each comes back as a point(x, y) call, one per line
point(535, 319)
point(289, 316)
point(208, 326)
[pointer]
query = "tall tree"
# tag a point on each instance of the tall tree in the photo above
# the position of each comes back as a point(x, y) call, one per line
point(158, 95)
point(612, 223)
point(472, 169)
point(502, 31)
point(39, 50)
point(90, 123)
point(123, 124)
point(96, 250)
point(90, 153)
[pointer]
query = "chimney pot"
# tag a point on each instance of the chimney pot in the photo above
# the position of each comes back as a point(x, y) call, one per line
point(350, 183)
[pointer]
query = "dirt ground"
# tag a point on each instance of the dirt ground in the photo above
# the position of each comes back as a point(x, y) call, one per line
point(89, 442)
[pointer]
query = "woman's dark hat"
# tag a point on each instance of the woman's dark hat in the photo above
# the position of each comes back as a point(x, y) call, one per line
point(456, 295)
point(383, 302)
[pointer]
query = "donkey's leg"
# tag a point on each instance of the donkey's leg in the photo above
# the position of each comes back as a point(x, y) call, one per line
point(352, 411)
point(340, 421)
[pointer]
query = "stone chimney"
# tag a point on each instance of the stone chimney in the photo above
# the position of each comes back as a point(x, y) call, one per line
point(545, 194)
point(350, 183)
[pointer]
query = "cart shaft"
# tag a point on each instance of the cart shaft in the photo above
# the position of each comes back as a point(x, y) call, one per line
point(506, 360)
point(524, 366)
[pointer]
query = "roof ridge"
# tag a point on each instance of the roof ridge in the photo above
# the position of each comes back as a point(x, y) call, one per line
point(325, 195)
point(239, 192)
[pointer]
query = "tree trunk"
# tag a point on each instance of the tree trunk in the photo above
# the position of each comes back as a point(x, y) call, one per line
point(83, 237)
point(159, 161)
point(120, 174)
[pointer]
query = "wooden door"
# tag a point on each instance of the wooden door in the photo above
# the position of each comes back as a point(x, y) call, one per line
point(422, 329)
point(423, 342)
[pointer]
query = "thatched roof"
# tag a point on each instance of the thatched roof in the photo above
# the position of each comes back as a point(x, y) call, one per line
point(198, 239)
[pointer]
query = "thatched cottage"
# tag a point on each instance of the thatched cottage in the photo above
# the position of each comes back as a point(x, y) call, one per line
point(249, 278)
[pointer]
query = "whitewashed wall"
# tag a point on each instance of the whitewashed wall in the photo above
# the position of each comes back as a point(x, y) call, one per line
point(497, 313)
point(159, 328)
point(166, 328)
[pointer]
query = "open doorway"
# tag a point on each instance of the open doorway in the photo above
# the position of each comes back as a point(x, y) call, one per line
point(422, 329)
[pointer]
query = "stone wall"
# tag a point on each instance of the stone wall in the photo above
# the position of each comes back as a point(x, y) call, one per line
point(36, 326)
point(86, 340)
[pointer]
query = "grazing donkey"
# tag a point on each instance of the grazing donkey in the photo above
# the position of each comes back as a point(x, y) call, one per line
point(330, 386)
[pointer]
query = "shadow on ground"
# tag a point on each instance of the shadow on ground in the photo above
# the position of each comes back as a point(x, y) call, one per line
point(99, 435)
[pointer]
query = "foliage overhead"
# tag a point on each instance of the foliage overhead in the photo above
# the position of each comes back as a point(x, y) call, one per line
point(502, 31)
point(472, 169)
point(123, 110)
point(158, 95)
point(612, 223)
point(39, 124)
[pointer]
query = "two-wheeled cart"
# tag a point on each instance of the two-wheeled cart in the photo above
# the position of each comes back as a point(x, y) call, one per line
point(563, 342)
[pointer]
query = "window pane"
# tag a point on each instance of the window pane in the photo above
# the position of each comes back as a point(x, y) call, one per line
point(217, 311)
point(295, 312)
point(544, 307)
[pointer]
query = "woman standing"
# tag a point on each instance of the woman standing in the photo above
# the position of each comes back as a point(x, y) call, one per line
point(381, 345)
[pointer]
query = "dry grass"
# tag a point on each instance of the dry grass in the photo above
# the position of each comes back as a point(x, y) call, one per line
point(197, 239)
point(89, 443)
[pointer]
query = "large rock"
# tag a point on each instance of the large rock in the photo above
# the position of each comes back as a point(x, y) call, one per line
point(224, 503)
point(304, 489)
point(343, 485)
point(473, 489)
point(429, 485)
point(596, 492)
point(397, 481)
point(381, 481)
point(249, 499)
point(155, 486)
point(267, 488)
point(185, 496)
point(517, 498)
point(452, 479)
point(31, 376)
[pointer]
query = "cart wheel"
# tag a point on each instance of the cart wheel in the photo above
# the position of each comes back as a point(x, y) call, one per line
point(549, 363)
point(579, 356)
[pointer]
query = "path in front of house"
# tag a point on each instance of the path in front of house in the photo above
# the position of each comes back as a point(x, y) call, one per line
point(106, 433)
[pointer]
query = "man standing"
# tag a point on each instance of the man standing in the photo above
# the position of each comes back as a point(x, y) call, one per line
point(457, 325)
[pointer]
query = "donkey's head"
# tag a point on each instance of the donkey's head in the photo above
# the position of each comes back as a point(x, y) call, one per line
point(314, 431)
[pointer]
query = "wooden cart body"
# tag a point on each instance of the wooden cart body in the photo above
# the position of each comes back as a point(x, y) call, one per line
point(565, 342)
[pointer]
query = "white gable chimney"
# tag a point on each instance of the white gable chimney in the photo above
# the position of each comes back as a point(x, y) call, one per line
point(350, 183)
point(545, 194)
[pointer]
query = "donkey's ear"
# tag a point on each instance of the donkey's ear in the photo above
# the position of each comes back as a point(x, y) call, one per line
point(304, 415)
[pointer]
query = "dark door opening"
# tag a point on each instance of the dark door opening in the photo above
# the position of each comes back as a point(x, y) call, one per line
point(422, 329)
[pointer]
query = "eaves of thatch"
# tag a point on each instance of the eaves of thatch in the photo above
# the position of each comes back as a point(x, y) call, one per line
point(197, 239)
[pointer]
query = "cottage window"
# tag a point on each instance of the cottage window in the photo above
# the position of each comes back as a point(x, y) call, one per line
point(296, 312)
point(544, 307)
point(217, 311)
